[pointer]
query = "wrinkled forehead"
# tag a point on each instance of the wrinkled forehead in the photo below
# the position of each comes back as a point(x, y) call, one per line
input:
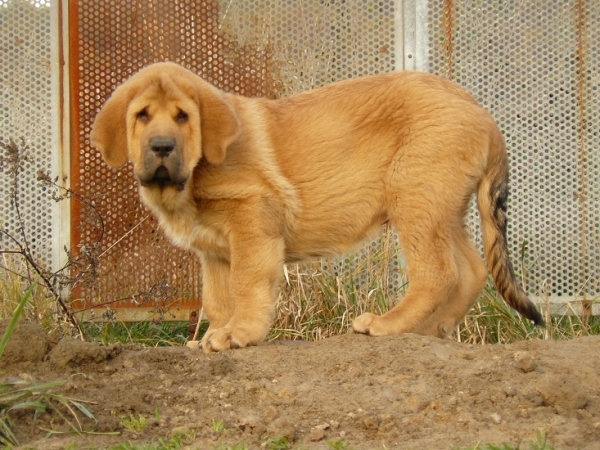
point(163, 91)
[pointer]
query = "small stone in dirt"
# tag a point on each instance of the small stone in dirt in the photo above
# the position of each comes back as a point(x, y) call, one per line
point(496, 418)
point(54, 336)
point(270, 414)
point(252, 386)
point(221, 365)
point(181, 430)
point(582, 414)
point(281, 428)
point(249, 421)
point(108, 425)
point(510, 391)
point(285, 391)
point(525, 362)
point(371, 422)
point(416, 403)
point(317, 433)
point(252, 424)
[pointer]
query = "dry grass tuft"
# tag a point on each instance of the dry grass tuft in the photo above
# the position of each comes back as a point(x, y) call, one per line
point(322, 298)
point(39, 308)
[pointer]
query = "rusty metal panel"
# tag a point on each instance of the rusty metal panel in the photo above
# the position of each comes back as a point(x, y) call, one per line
point(109, 42)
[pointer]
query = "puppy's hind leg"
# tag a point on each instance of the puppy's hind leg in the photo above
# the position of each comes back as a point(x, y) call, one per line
point(432, 273)
point(472, 277)
point(427, 199)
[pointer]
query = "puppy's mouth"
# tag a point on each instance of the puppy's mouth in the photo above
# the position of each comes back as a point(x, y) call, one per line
point(162, 178)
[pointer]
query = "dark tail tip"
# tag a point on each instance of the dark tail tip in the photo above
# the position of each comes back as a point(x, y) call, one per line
point(530, 311)
point(539, 321)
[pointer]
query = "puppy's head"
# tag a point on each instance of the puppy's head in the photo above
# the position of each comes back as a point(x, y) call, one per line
point(164, 119)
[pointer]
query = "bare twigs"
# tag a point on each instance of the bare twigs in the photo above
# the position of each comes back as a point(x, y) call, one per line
point(14, 157)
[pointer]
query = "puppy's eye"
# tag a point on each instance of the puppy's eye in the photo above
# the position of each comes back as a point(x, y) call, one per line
point(181, 118)
point(142, 116)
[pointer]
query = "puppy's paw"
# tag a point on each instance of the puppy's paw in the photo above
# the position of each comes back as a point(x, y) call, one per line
point(224, 339)
point(217, 340)
point(441, 329)
point(366, 324)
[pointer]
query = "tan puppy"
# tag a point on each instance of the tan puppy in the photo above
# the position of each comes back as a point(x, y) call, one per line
point(251, 184)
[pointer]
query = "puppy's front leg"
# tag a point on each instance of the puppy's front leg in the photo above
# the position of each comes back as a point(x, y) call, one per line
point(216, 297)
point(256, 267)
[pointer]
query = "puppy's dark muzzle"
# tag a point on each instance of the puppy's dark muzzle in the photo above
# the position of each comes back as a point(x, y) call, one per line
point(162, 164)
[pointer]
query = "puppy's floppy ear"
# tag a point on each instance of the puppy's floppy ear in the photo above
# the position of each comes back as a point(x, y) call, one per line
point(109, 131)
point(218, 121)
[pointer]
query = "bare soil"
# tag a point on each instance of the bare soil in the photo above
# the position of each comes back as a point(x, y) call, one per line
point(401, 392)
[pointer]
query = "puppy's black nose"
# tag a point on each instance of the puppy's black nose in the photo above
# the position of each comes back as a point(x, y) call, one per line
point(162, 147)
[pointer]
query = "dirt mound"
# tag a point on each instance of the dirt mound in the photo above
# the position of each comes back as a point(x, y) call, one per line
point(73, 354)
point(399, 392)
point(28, 344)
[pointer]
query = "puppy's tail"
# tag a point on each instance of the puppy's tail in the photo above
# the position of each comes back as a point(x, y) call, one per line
point(491, 199)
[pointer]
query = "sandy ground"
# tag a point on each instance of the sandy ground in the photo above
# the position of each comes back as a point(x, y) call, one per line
point(402, 392)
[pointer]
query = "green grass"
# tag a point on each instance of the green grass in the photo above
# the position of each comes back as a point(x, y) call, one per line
point(39, 398)
point(319, 300)
point(314, 305)
point(16, 315)
point(135, 424)
point(217, 426)
point(541, 443)
point(22, 395)
point(282, 443)
point(338, 445)
point(151, 334)
point(176, 442)
point(490, 321)
point(12, 288)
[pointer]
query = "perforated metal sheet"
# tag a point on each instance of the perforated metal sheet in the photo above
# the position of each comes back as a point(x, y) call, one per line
point(27, 113)
point(536, 67)
point(317, 42)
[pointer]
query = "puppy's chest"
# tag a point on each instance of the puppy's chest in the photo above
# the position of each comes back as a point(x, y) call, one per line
point(189, 230)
